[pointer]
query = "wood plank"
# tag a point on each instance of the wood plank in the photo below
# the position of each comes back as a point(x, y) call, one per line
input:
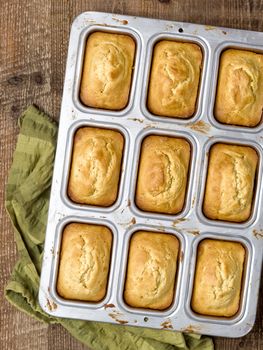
point(33, 47)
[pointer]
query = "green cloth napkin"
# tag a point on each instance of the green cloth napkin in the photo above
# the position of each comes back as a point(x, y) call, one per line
point(27, 199)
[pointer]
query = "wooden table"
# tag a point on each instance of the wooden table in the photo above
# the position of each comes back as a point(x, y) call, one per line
point(33, 49)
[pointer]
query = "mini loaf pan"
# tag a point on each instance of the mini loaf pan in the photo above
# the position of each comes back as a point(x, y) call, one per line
point(123, 217)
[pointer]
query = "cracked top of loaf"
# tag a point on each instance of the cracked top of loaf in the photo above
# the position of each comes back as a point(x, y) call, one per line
point(239, 98)
point(151, 270)
point(95, 166)
point(218, 278)
point(84, 262)
point(230, 182)
point(107, 70)
point(174, 79)
point(163, 174)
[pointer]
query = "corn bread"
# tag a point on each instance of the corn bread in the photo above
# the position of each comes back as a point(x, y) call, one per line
point(239, 98)
point(95, 167)
point(230, 182)
point(174, 79)
point(163, 173)
point(151, 270)
point(84, 262)
point(218, 277)
point(107, 70)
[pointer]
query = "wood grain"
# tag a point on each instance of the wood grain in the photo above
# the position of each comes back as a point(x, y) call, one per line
point(33, 47)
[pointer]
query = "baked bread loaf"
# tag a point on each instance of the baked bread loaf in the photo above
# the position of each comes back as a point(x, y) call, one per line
point(230, 182)
point(84, 262)
point(163, 173)
point(95, 167)
point(150, 277)
point(239, 98)
point(107, 70)
point(174, 79)
point(218, 277)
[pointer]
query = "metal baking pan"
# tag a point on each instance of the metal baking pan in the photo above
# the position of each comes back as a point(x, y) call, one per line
point(123, 217)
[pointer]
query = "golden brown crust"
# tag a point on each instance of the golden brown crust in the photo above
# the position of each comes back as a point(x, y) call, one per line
point(230, 182)
point(162, 176)
point(84, 262)
point(151, 270)
point(239, 99)
point(218, 278)
point(107, 70)
point(95, 167)
point(174, 79)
